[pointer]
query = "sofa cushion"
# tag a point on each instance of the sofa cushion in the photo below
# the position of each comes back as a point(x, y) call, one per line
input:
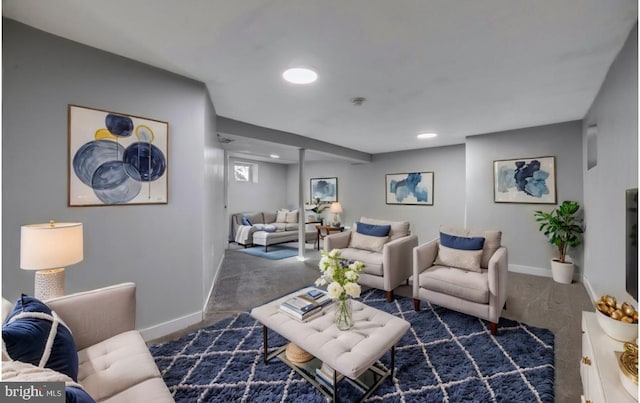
point(291, 217)
point(372, 229)
point(281, 216)
point(26, 334)
point(372, 260)
point(468, 285)
point(115, 365)
point(269, 217)
point(254, 218)
point(367, 242)
point(461, 242)
point(492, 240)
point(398, 229)
point(280, 226)
point(462, 259)
point(152, 390)
point(291, 226)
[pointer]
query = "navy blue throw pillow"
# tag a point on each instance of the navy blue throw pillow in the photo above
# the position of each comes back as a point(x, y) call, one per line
point(460, 242)
point(77, 395)
point(25, 335)
point(372, 229)
point(245, 221)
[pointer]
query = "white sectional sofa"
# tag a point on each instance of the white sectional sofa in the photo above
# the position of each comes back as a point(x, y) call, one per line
point(268, 228)
point(114, 363)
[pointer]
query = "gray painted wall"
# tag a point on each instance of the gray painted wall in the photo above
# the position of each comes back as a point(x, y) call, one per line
point(162, 248)
point(527, 247)
point(268, 194)
point(615, 111)
point(361, 187)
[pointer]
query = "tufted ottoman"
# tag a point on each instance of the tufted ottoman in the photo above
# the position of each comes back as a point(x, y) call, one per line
point(352, 353)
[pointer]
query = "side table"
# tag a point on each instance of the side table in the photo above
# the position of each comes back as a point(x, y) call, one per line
point(328, 229)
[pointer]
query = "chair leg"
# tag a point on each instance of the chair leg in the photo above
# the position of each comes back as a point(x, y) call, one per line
point(389, 296)
point(416, 304)
point(494, 328)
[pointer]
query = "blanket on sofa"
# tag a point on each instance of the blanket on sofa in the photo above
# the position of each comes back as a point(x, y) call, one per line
point(244, 234)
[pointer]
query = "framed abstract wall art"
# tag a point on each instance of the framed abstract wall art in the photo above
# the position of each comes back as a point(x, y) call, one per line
point(409, 188)
point(525, 180)
point(116, 159)
point(324, 189)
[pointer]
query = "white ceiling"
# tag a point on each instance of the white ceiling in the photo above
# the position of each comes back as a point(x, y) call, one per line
point(459, 68)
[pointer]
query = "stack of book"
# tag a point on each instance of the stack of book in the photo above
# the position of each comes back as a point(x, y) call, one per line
point(324, 375)
point(306, 306)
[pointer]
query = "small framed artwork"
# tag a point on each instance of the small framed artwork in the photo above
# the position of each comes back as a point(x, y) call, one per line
point(525, 180)
point(116, 158)
point(409, 188)
point(324, 189)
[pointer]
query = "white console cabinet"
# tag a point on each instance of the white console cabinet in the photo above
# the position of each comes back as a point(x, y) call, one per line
point(599, 368)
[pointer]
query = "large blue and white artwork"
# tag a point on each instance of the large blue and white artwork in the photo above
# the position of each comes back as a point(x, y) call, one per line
point(409, 188)
point(116, 159)
point(324, 190)
point(525, 180)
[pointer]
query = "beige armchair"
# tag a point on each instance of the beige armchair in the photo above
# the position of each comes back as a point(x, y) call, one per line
point(480, 292)
point(388, 262)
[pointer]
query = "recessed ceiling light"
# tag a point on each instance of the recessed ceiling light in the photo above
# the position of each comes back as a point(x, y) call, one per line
point(274, 156)
point(429, 135)
point(300, 75)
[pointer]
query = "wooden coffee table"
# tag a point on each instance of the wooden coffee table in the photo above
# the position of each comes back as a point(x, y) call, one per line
point(354, 353)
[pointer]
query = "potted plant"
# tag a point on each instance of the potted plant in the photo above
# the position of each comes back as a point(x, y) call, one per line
point(563, 230)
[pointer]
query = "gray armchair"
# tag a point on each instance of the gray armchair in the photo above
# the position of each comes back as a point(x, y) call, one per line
point(481, 293)
point(388, 264)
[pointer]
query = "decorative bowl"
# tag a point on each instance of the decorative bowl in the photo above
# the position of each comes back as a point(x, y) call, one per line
point(616, 329)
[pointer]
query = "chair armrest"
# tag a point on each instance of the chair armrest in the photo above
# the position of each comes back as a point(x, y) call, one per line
point(423, 258)
point(339, 240)
point(498, 269)
point(396, 260)
point(96, 315)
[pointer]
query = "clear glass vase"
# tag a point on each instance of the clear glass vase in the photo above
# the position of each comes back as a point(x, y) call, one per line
point(343, 320)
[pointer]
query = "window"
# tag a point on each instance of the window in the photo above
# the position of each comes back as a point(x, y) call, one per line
point(245, 172)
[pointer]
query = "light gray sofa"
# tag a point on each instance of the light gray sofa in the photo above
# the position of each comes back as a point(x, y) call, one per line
point(481, 292)
point(384, 269)
point(115, 364)
point(268, 228)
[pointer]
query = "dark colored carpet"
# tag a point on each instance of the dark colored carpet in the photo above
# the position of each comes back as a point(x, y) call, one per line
point(445, 356)
point(274, 252)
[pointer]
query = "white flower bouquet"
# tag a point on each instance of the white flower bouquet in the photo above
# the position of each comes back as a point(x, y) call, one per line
point(342, 276)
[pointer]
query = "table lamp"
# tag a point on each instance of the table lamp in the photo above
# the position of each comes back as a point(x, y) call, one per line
point(48, 248)
point(336, 209)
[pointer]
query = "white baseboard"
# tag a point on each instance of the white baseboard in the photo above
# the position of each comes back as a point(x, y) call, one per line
point(213, 283)
point(174, 325)
point(590, 290)
point(534, 271)
point(539, 271)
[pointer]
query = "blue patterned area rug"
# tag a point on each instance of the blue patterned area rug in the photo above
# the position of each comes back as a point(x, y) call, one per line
point(444, 357)
point(274, 252)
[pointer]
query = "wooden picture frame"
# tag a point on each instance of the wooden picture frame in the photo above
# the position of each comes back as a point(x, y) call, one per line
point(413, 188)
point(525, 180)
point(116, 158)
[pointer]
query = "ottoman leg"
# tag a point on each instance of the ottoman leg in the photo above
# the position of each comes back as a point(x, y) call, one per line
point(494, 328)
point(416, 304)
point(389, 296)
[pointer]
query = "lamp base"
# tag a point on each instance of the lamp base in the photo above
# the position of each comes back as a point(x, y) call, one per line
point(49, 284)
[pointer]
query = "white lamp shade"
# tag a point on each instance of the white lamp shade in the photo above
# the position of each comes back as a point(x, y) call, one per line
point(50, 246)
point(336, 207)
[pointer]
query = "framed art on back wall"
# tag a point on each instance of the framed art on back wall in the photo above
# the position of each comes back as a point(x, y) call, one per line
point(116, 159)
point(324, 189)
point(525, 180)
point(409, 188)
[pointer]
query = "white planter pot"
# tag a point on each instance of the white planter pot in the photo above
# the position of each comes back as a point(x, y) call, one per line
point(562, 272)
